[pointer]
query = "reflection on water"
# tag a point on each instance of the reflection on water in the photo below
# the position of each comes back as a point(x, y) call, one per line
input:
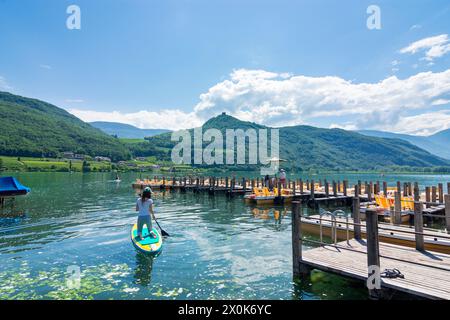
point(143, 269)
point(219, 247)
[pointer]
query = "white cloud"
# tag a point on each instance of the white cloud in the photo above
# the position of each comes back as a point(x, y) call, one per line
point(266, 98)
point(45, 66)
point(434, 47)
point(415, 26)
point(423, 124)
point(74, 100)
point(164, 119)
point(4, 86)
point(284, 99)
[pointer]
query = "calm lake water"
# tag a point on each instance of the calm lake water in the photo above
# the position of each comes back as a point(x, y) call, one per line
point(218, 249)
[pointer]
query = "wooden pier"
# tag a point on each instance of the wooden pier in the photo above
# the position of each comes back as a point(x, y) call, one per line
point(362, 256)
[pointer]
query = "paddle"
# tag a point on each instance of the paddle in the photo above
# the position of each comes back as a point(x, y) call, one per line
point(163, 232)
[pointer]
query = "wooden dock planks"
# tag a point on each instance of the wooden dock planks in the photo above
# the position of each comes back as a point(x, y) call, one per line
point(427, 274)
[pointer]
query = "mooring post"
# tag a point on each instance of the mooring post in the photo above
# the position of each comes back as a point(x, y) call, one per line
point(334, 189)
point(399, 187)
point(433, 194)
point(301, 186)
point(327, 189)
point(299, 269)
point(427, 197)
point(373, 248)
point(356, 215)
point(296, 240)
point(441, 192)
point(418, 225)
point(345, 182)
point(359, 187)
point(312, 190)
point(369, 191)
point(410, 193)
point(397, 208)
point(385, 188)
point(448, 187)
point(293, 187)
point(447, 211)
point(226, 182)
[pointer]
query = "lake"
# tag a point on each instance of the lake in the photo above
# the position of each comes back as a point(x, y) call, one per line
point(219, 248)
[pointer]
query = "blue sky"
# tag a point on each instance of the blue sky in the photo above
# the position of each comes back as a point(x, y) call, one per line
point(175, 63)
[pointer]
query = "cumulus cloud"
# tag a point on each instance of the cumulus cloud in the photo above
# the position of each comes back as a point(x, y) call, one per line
point(270, 99)
point(4, 86)
point(434, 47)
point(164, 119)
point(410, 105)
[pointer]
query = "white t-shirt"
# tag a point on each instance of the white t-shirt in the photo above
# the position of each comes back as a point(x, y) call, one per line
point(283, 175)
point(144, 207)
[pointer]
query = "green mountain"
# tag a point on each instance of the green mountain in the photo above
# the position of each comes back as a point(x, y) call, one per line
point(306, 147)
point(34, 128)
point(122, 130)
point(437, 144)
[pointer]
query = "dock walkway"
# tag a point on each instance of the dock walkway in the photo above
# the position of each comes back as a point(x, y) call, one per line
point(427, 274)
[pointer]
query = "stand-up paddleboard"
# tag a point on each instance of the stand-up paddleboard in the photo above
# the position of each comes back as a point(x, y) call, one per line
point(147, 244)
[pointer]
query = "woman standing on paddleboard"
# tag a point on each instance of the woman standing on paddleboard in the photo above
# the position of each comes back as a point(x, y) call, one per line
point(144, 205)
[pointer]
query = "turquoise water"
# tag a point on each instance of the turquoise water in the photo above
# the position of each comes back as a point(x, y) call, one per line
point(219, 248)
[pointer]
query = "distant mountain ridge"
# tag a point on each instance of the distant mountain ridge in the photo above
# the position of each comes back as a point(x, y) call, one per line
point(306, 147)
point(122, 130)
point(438, 143)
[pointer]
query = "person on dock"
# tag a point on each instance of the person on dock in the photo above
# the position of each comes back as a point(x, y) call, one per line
point(283, 178)
point(144, 205)
point(266, 181)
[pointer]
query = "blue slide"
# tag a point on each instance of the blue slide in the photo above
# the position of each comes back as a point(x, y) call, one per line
point(9, 186)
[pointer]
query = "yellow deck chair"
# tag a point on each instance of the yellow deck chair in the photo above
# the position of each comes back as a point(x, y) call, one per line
point(275, 191)
point(378, 201)
point(257, 191)
point(385, 202)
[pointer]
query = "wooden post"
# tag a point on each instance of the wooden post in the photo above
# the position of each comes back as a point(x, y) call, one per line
point(371, 190)
point(293, 187)
point(399, 187)
point(385, 188)
point(359, 187)
point(296, 239)
point(373, 248)
point(447, 211)
point(327, 189)
point(312, 190)
point(301, 186)
point(427, 196)
point(410, 189)
point(226, 182)
point(334, 189)
point(405, 189)
point(433, 194)
point(448, 187)
point(418, 225)
point(356, 215)
point(397, 208)
point(345, 182)
point(441, 193)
